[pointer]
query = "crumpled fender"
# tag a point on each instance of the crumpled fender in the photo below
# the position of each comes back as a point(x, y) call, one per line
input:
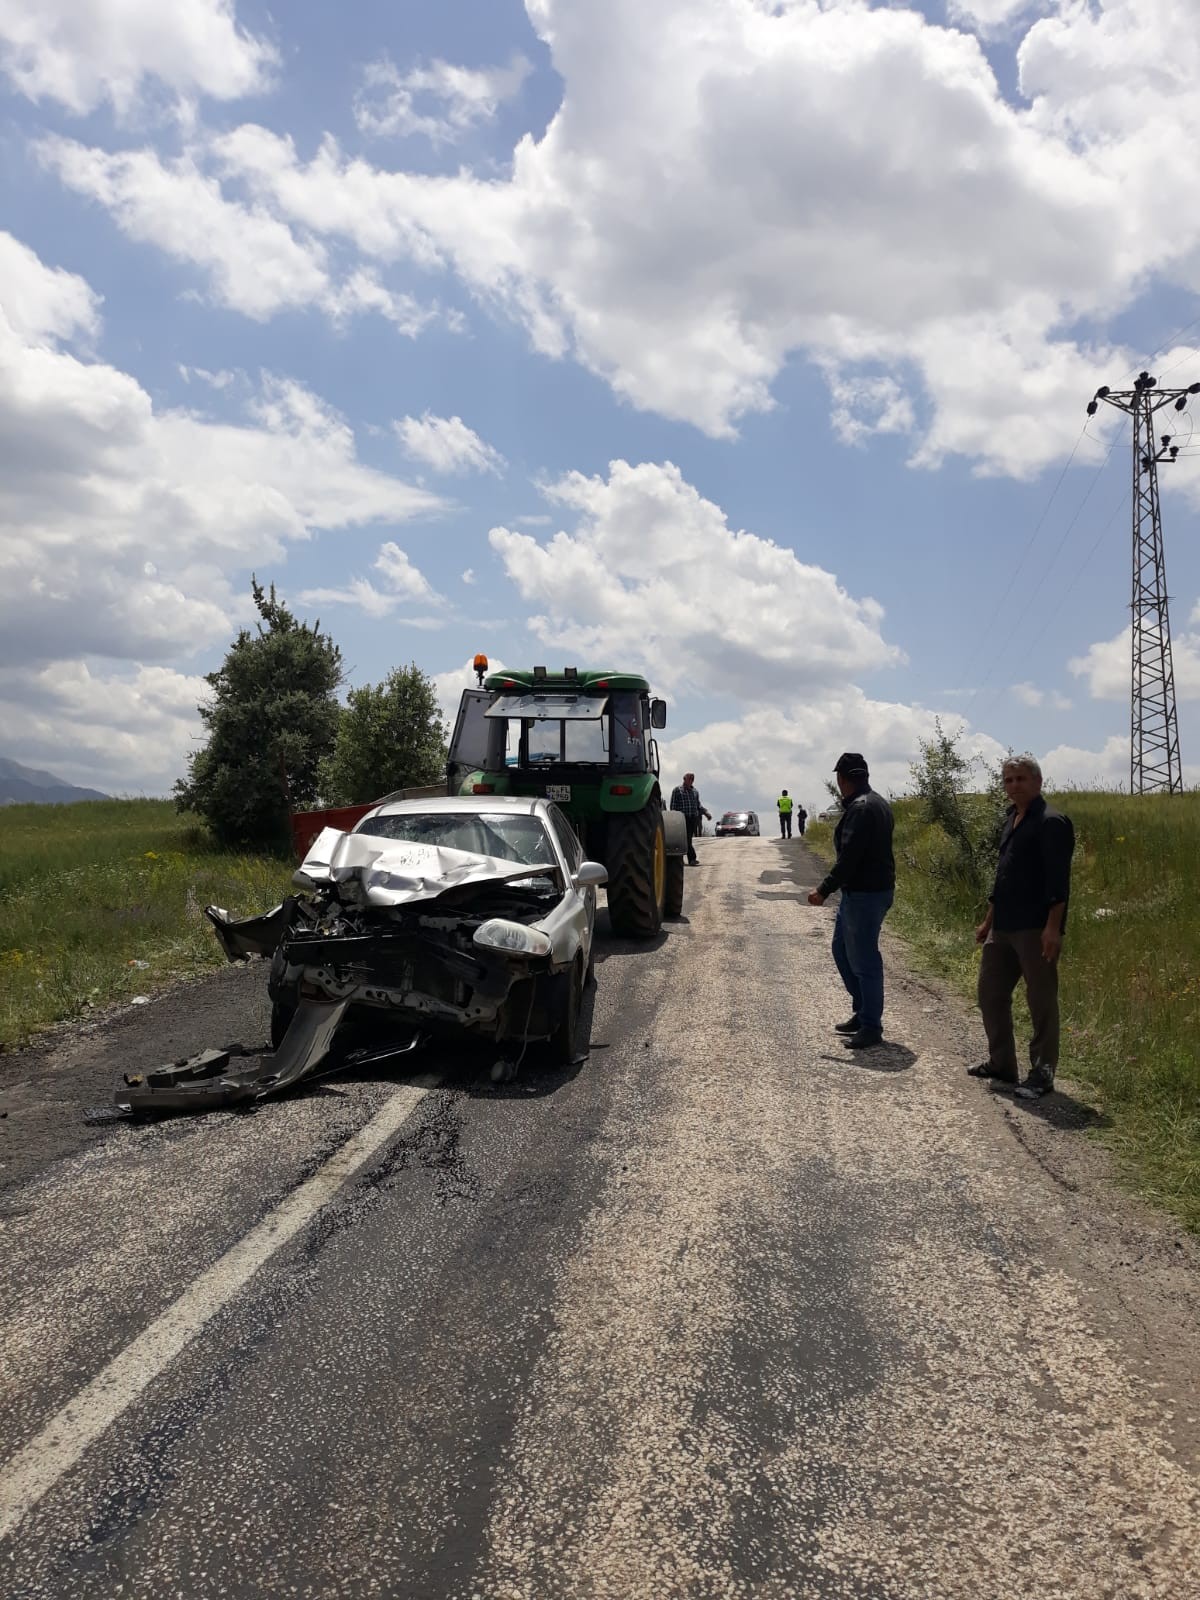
point(252, 936)
point(205, 1082)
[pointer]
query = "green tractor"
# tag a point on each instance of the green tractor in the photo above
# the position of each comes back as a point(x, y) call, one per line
point(585, 741)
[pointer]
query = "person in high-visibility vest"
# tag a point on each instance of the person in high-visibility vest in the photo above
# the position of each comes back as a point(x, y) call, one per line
point(785, 815)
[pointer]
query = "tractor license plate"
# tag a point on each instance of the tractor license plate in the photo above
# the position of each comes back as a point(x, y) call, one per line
point(558, 791)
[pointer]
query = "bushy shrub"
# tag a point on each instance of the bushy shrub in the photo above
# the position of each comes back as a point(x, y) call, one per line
point(272, 721)
point(964, 799)
point(391, 736)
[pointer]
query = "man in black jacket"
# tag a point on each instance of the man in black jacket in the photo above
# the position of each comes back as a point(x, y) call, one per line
point(865, 872)
point(1022, 933)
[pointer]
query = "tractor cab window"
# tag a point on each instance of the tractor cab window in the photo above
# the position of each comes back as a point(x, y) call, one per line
point(557, 727)
point(586, 742)
point(628, 733)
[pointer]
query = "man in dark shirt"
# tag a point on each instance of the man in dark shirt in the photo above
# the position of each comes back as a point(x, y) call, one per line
point(685, 797)
point(1022, 933)
point(865, 872)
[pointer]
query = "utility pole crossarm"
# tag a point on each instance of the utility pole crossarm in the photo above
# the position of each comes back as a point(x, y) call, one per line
point(1154, 763)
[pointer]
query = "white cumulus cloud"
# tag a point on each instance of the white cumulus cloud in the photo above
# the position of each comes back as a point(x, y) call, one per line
point(440, 101)
point(123, 524)
point(653, 576)
point(403, 585)
point(934, 252)
point(446, 444)
point(744, 762)
point(125, 732)
point(1106, 665)
point(254, 262)
point(84, 52)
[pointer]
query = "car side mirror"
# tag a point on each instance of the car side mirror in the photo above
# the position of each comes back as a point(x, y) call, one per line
point(658, 713)
point(590, 875)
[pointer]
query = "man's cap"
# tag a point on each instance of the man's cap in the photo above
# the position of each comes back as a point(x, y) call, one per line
point(850, 762)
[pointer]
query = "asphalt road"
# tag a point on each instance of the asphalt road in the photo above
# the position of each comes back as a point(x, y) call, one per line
point(722, 1310)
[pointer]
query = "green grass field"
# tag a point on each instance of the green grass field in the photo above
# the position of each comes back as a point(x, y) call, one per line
point(103, 900)
point(1130, 975)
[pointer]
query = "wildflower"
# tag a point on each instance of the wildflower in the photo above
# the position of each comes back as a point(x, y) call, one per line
point(1120, 838)
point(151, 855)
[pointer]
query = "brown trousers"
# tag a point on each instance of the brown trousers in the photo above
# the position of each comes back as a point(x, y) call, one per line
point(1008, 957)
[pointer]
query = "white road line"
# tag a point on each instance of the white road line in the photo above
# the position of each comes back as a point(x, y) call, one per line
point(36, 1468)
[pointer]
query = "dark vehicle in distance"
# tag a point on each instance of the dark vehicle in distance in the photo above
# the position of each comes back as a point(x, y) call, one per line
point(744, 823)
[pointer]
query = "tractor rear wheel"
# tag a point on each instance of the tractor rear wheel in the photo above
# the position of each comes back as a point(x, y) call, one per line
point(673, 905)
point(637, 871)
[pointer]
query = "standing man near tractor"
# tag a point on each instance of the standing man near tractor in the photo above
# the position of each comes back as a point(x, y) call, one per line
point(685, 797)
point(865, 872)
point(785, 815)
point(1022, 933)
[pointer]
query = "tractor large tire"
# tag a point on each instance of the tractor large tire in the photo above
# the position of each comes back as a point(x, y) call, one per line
point(637, 872)
point(673, 905)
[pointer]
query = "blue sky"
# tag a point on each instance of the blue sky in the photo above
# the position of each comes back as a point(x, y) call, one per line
point(742, 341)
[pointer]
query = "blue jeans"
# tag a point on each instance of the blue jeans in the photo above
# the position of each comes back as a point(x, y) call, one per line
point(856, 950)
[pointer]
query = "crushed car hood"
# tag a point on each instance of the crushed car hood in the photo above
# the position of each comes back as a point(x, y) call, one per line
point(395, 872)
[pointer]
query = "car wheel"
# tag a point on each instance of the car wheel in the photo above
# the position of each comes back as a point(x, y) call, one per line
point(561, 1044)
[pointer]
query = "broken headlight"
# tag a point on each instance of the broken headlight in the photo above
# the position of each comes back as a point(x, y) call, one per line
point(514, 938)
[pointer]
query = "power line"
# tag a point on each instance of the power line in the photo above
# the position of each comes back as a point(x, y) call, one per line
point(1095, 478)
point(1083, 566)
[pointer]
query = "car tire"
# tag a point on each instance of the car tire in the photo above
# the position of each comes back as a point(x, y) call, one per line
point(560, 1047)
point(635, 843)
point(673, 901)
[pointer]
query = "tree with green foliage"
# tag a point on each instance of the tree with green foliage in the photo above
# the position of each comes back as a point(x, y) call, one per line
point(391, 737)
point(273, 719)
point(971, 822)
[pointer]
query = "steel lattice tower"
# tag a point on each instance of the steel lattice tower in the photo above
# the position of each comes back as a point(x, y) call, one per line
point(1153, 729)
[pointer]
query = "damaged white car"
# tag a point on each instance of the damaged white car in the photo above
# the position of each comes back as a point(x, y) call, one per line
point(446, 917)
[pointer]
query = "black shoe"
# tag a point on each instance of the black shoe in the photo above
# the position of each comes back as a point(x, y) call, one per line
point(985, 1069)
point(1039, 1082)
point(851, 1025)
point(864, 1039)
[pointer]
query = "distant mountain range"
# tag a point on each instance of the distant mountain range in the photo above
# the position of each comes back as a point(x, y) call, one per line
point(19, 785)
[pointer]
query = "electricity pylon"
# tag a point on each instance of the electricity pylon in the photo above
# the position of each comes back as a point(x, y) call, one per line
point(1153, 729)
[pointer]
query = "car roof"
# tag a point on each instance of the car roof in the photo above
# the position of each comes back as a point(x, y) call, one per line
point(519, 805)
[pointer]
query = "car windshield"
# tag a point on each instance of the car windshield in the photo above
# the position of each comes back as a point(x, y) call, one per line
point(736, 816)
point(511, 838)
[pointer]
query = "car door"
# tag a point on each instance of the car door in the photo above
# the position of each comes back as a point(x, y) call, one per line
point(469, 743)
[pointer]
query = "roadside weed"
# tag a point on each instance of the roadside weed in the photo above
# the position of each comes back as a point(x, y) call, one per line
point(104, 900)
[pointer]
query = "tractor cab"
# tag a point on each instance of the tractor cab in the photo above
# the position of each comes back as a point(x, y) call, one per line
point(569, 730)
point(584, 740)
